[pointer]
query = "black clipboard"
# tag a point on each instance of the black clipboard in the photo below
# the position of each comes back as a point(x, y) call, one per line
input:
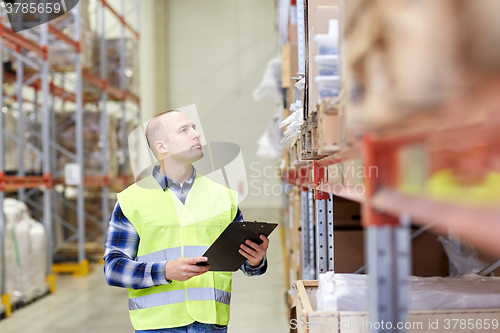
point(223, 255)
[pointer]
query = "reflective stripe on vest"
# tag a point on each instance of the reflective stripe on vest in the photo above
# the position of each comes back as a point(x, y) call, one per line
point(173, 253)
point(178, 296)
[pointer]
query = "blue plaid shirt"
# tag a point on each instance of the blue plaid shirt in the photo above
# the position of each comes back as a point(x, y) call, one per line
point(122, 243)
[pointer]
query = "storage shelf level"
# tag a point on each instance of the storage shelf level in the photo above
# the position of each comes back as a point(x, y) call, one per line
point(481, 226)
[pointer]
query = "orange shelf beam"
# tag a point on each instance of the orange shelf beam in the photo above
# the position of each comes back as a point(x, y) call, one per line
point(15, 182)
point(350, 152)
point(121, 18)
point(21, 41)
point(15, 41)
point(349, 192)
point(65, 38)
point(481, 226)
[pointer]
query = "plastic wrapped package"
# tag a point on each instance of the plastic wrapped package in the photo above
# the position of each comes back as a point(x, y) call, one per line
point(91, 142)
point(32, 164)
point(38, 258)
point(113, 63)
point(2, 240)
point(10, 263)
point(342, 292)
point(349, 292)
point(62, 56)
point(271, 82)
point(328, 44)
point(293, 123)
point(269, 143)
point(12, 213)
point(300, 85)
point(464, 259)
point(20, 237)
point(25, 247)
point(21, 241)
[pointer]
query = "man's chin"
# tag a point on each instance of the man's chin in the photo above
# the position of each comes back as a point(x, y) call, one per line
point(189, 156)
point(200, 156)
point(195, 155)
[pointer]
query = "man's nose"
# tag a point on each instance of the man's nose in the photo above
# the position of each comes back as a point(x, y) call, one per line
point(196, 134)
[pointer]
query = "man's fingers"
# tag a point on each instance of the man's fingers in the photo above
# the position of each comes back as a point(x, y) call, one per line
point(251, 243)
point(246, 255)
point(249, 250)
point(265, 242)
point(262, 248)
point(196, 269)
point(194, 260)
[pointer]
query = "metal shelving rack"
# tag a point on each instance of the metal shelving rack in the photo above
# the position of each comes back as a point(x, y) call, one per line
point(49, 86)
point(121, 95)
point(387, 213)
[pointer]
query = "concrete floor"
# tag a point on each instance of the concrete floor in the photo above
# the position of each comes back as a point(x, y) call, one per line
point(89, 305)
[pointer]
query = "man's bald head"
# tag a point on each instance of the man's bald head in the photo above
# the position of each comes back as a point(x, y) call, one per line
point(156, 131)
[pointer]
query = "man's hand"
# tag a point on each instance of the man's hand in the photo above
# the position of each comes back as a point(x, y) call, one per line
point(182, 269)
point(254, 252)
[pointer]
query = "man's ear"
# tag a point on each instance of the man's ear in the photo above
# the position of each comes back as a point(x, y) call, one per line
point(161, 147)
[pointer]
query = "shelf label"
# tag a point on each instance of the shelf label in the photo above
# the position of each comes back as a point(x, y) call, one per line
point(72, 174)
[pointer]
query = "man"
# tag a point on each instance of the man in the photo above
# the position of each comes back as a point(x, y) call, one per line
point(160, 228)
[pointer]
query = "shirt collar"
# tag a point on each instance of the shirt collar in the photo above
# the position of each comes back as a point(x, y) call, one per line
point(165, 182)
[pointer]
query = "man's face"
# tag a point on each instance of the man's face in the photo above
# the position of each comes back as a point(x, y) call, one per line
point(183, 141)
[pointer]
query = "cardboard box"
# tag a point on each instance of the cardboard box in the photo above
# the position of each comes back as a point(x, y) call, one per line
point(294, 240)
point(346, 211)
point(328, 127)
point(423, 52)
point(480, 30)
point(323, 15)
point(292, 93)
point(285, 66)
point(349, 11)
point(348, 250)
point(316, 9)
point(363, 35)
point(312, 137)
point(297, 232)
point(292, 33)
point(428, 256)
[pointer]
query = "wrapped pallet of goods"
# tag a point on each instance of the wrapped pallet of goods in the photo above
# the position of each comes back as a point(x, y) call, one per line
point(91, 142)
point(113, 63)
point(3, 309)
point(12, 213)
point(62, 56)
point(94, 247)
point(38, 253)
point(32, 164)
point(25, 254)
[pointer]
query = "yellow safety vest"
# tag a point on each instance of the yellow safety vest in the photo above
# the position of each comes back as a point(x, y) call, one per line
point(168, 230)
